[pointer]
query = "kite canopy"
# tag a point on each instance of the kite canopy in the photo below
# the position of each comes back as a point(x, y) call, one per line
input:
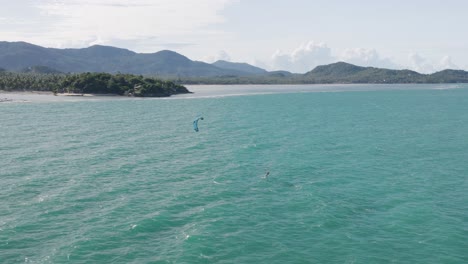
point(195, 123)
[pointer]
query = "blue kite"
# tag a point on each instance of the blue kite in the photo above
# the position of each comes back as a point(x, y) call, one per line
point(195, 123)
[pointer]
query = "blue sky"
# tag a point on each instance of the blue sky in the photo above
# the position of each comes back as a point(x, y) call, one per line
point(294, 35)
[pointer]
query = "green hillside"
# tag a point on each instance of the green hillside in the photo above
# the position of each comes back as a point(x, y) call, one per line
point(170, 65)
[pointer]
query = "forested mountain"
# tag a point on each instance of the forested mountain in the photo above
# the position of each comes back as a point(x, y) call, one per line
point(449, 76)
point(40, 69)
point(342, 72)
point(16, 56)
point(238, 66)
point(25, 57)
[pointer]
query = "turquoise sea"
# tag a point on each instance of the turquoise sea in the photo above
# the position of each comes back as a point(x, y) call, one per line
point(357, 174)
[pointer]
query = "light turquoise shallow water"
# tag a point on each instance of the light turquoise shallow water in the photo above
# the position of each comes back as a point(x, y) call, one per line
point(355, 177)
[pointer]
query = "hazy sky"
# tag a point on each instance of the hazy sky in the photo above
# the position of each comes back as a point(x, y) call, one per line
point(294, 35)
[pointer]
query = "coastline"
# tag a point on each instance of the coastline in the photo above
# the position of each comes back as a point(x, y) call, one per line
point(45, 96)
point(86, 94)
point(208, 91)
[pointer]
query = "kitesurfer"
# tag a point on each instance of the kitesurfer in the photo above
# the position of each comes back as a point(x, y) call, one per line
point(195, 123)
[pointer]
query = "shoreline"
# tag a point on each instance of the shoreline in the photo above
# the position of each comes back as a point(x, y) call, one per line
point(57, 94)
point(209, 91)
point(46, 96)
point(87, 94)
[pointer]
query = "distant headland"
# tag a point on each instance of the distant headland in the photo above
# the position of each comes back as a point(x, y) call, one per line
point(90, 83)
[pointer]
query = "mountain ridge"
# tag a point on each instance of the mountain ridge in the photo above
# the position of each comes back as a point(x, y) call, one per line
point(18, 56)
point(239, 66)
point(349, 73)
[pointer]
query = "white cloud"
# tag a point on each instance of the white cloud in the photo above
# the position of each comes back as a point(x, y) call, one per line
point(260, 64)
point(221, 55)
point(281, 61)
point(446, 63)
point(420, 64)
point(311, 54)
point(366, 57)
point(423, 65)
point(73, 23)
point(304, 58)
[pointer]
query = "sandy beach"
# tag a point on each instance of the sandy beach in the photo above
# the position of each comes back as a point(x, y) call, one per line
point(38, 96)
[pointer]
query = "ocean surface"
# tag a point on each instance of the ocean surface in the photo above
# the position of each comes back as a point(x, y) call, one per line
point(356, 174)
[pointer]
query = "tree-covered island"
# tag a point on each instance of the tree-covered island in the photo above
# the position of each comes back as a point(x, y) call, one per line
point(90, 83)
